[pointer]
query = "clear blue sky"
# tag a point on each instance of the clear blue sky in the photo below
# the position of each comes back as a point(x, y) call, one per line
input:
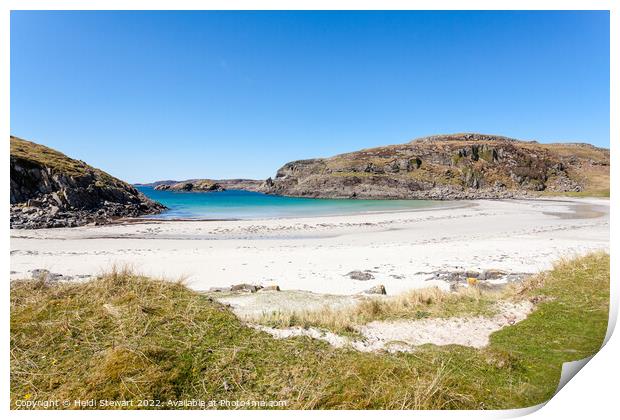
point(177, 95)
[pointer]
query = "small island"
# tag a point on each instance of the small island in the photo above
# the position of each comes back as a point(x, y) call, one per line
point(202, 185)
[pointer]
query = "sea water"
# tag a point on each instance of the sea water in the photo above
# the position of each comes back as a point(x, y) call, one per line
point(237, 204)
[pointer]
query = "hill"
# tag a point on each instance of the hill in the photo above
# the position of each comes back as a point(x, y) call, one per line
point(457, 166)
point(50, 189)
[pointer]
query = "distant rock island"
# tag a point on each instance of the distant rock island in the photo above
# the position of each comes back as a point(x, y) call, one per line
point(208, 185)
point(202, 185)
point(448, 167)
point(49, 189)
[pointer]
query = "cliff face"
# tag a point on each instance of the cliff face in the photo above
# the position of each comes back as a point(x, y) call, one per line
point(459, 166)
point(49, 189)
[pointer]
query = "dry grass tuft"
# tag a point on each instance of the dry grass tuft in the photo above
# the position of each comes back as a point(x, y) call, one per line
point(414, 304)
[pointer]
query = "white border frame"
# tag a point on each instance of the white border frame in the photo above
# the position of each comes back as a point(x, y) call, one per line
point(592, 394)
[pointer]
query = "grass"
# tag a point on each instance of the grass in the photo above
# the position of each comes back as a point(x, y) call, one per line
point(570, 150)
point(27, 150)
point(58, 162)
point(124, 336)
point(598, 193)
point(415, 304)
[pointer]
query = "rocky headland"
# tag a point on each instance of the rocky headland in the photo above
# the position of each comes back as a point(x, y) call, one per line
point(49, 189)
point(448, 167)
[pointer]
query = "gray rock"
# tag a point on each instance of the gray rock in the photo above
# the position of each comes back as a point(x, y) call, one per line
point(219, 289)
point(244, 287)
point(360, 275)
point(376, 290)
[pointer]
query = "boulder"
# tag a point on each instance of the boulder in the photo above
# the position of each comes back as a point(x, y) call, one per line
point(376, 290)
point(244, 287)
point(360, 275)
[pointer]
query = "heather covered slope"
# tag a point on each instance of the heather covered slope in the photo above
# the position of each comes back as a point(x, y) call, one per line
point(450, 167)
point(49, 189)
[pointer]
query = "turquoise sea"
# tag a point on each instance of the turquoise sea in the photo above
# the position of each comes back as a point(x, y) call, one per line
point(235, 204)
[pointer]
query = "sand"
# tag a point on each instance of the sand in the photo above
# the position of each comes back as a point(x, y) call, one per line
point(405, 335)
point(401, 250)
point(310, 258)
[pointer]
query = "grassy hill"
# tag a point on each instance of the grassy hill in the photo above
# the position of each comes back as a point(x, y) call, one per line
point(44, 156)
point(450, 167)
point(50, 189)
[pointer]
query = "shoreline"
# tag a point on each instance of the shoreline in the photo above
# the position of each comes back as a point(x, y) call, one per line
point(398, 249)
point(458, 203)
point(157, 217)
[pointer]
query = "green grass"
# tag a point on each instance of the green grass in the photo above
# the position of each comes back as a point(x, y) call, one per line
point(571, 326)
point(124, 336)
point(59, 162)
point(601, 193)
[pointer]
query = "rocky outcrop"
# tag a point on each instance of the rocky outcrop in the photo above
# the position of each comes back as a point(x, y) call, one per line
point(49, 189)
point(255, 185)
point(446, 167)
point(203, 185)
point(207, 185)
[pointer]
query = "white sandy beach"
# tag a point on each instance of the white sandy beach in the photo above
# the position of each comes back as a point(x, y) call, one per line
point(401, 250)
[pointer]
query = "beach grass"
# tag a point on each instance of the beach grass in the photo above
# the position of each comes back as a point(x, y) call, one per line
point(127, 337)
point(429, 302)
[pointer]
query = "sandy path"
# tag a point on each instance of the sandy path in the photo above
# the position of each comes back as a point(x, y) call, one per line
point(405, 335)
point(402, 250)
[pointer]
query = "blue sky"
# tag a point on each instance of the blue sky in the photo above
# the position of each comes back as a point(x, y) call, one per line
point(177, 95)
